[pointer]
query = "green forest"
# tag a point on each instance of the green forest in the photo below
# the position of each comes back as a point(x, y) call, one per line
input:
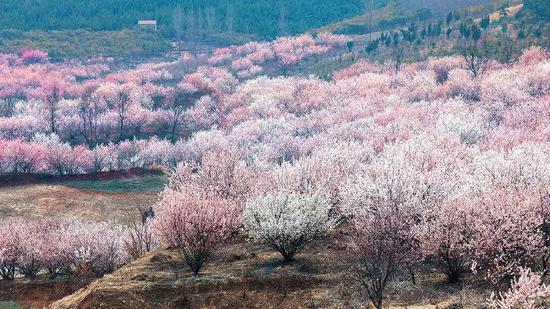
point(262, 18)
point(539, 7)
point(81, 28)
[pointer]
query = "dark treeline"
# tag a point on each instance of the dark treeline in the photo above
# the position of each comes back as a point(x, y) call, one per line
point(262, 18)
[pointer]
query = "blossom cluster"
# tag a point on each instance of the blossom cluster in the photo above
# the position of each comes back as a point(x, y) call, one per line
point(427, 164)
point(432, 163)
point(251, 59)
point(31, 246)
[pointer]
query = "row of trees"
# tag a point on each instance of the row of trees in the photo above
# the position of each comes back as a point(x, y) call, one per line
point(254, 125)
point(59, 248)
point(47, 155)
point(99, 111)
point(86, 104)
point(253, 58)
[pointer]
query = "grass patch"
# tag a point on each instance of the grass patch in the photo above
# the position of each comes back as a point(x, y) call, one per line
point(143, 184)
point(9, 305)
point(85, 43)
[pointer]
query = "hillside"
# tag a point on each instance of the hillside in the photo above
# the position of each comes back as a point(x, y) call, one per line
point(498, 29)
point(399, 13)
point(92, 200)
point(71, 29)
point(263, 18)
point(245, 275)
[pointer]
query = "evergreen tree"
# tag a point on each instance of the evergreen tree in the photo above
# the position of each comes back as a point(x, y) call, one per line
point(449, 18)
point(437, 29)
point(449, 32)
point(372, 46)
point(476, 33)
point(350, 45)
point(485, 22)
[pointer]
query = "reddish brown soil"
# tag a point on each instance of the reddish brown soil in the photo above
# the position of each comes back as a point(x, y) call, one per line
point(38, 293)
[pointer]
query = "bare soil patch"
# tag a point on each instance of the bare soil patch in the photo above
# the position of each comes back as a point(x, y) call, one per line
point(60, 201)
point(38, 293)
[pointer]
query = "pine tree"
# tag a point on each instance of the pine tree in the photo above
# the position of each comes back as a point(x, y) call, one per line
point(485, 22)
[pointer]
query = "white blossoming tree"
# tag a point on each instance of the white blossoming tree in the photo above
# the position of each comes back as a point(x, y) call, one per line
point(288, 221)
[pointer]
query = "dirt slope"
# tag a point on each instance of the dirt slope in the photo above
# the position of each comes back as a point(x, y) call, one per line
point(251, 276)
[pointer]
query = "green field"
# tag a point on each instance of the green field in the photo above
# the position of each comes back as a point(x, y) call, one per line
point(143, 184)
point(9, 305)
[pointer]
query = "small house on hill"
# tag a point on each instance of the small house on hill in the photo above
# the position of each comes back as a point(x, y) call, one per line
point(147, 23)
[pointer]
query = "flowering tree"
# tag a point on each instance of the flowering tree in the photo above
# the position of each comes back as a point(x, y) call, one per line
point(525, 292)
point(461, 85)
point(288, 221)
point(327, 169)
point(128, 153)
point(24, 157)
point(30, 56)
point(102, 158)
point(10, 247)
point(50, 95)
point(10, 94)
point(62, 159)
point(220, 174)
point(30, 263)
point(447, 234)
point(195, 222)
point(180, 99)
point(55, 246)
point(29, 246)
point(386, 201)
point(123, 102)
point(380, 246)
point(534, 55)
point(96, 248)
point(91, 108)
point(507, 231)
